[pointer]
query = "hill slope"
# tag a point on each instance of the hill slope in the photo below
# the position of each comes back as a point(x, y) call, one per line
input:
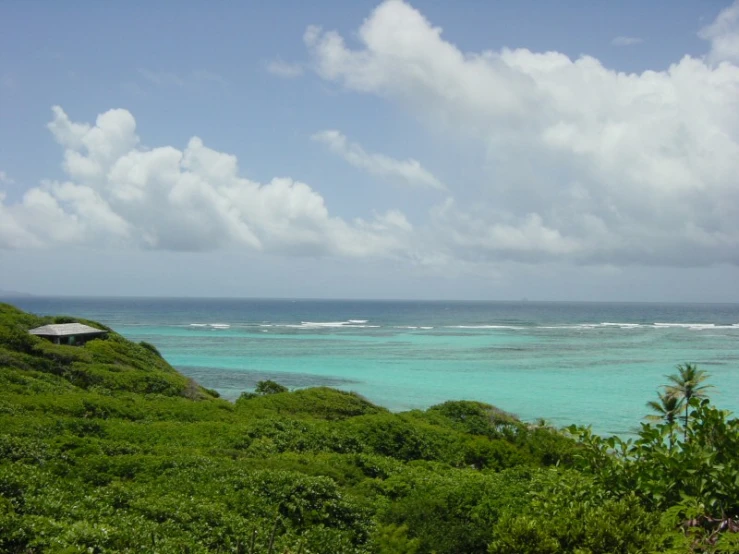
point(107, 448)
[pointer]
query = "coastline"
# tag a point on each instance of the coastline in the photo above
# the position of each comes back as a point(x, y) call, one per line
point(531, 359)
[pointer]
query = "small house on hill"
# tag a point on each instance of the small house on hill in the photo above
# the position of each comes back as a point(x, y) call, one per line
point(75, 334)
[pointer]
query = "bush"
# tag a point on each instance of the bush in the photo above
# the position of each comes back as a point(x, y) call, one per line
point(572, 515)
point(246, 395)
point(107, 448)
point(150, 347)
point(318, 402)
point(269, 387)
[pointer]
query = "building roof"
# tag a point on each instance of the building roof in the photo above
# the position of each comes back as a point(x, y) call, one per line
point(65, 330)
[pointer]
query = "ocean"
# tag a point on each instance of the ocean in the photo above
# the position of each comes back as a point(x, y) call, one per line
point(587, 363)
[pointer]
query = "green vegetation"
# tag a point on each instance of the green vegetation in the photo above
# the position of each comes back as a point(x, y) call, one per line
point(269, 387)
point(106, 448)
point(686, 385)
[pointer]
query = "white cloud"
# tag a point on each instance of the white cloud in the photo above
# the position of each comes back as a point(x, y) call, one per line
point(583, 164)
point(524, 238)
point(626, 41)
point(285, 69)
point(724, 35)
point(588, 164)
point(12, 233)
point(408, 171)
point(193, 199)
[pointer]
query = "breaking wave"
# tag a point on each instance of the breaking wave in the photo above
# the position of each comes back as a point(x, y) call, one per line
point(364, 324)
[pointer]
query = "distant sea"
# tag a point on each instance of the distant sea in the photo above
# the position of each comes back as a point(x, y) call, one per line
point(585, 363)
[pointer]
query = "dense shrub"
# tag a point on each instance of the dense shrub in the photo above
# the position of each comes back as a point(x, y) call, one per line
point(150, 347)
point(106, 448)
point(269, 387)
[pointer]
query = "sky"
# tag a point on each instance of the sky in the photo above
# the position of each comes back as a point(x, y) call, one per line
point(579, 150)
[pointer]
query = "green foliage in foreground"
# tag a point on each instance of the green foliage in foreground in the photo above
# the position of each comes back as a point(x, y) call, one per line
point(106, 448)
point(689, 470)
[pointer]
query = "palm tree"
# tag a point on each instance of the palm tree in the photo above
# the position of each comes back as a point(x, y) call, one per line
point(667, 408)
point(687, 385)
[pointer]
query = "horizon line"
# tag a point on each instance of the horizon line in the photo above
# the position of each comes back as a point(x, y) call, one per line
point(21, 296)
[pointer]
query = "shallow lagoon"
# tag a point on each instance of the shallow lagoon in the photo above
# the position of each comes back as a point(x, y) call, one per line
point(587, 363)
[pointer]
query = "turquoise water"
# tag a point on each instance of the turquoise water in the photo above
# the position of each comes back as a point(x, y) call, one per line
point(583, 363)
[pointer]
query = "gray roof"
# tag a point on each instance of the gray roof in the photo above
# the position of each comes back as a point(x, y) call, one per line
point(65, 329)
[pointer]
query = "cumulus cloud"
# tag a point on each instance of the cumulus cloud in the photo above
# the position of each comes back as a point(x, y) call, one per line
point(285, 69)
point(409, 171)
point(626, 41)
point(724, 35)
point(589, 164)
point(582, 163)
point(118, 193)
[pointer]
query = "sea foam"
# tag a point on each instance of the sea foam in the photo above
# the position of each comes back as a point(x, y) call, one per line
point(483, 327)
point(350, 323)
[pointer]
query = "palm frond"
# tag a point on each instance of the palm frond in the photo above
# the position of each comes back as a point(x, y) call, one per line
point(667, 407)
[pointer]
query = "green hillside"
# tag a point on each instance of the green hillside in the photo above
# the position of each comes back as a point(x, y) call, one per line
point(106, 448)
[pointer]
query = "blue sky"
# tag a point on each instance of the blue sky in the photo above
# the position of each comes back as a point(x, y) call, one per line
point(569, 150)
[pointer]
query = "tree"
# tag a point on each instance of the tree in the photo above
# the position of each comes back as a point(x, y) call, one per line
point(667, 408)
point(269, 387)
point(695, 485)
point(687, 385)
